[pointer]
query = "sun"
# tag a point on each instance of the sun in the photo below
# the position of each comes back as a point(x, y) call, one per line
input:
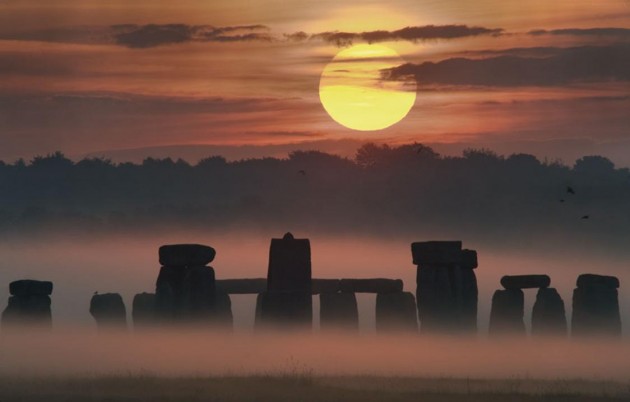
point(354, 93)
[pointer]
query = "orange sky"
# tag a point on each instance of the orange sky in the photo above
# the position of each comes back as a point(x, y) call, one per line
point(75, 80)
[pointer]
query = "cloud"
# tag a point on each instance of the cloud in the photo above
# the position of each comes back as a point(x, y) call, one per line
point(152, 35)
point(411, 34)
point(622, 33)
point(570, 65)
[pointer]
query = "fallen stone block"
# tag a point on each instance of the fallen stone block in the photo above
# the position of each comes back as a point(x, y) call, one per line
point(377, 285)
point(29, 287)
point(185, 255)
point(525, 281)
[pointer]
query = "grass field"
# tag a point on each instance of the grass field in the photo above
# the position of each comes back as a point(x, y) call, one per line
point(304, 387)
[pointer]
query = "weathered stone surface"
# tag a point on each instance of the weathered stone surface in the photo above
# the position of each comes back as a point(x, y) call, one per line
point(242, 286)
point(525, 281)
point(169, 292)
point(288, 309)
point(325, 286)
point(506, 316)
point(289, 265)
point(223, 309)
point(586, 280)
point(548, 314)
point(185, 255)
point(31, 310)
point(198, 293)
point(338, 311)
point(436, 252)
point(144, 310)
point(440, 297)
point(596, 311)
point(469, 301)
point(396, 312)
point(29, 287)
point(469, 259)
point(108, 310)
point(377, 285)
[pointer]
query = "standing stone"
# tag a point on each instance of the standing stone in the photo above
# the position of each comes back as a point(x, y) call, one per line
point(29, 304)
point(548, 315)
point(289, 265)
point(596, 306)
point(223, 309)
point(144, 310)
point(109, 311)
point(288, 299)
point(198, 293)
point(506, 315)
point(338, 311)
point(169, 293)
point(446, 290)
point(396, 312)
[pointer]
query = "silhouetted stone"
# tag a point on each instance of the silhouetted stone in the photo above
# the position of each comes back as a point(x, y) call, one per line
point(198, 293)
point(144, 310)
point(29, 305)
point(525, 281)
point(377, 285)
point(436, 252)
point(338, 310)
point(596, 307)
point(29, 287)
point(440, 294)
point(586, 280)
point(396, 312)
point(223, 309)
point(108, 310)
point(469, 259)
point(185, 255)
point(325, 286)
point(289, 265)
point(169, 292)
point(506, 316)
point(242, 286)
point(548, 315)
point(289, 309)
point(468, 306)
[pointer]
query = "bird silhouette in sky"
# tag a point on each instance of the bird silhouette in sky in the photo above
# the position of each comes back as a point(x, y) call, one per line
point(570, 190)
point(302, 172)
point(562, 200)
point(585, 217)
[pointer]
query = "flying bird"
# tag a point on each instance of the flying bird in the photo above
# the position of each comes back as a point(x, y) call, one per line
point(570, 190)
point(302, 172)
point(562, 200)
point(585, 217)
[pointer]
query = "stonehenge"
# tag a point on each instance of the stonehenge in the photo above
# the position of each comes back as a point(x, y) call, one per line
point(596, 307)
point(29, 304)
point(508, 307)
point(187, 292)
point(446, 291)
point(109, 311)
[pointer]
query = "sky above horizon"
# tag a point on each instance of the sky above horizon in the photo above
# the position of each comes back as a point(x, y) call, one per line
point(82, 77)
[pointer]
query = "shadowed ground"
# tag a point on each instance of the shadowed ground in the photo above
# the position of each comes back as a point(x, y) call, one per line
point(305, 387)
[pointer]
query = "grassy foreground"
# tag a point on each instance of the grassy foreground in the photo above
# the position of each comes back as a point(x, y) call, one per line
point(305, 388)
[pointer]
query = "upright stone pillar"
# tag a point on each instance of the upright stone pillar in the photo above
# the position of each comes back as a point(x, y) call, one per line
point(446, 290)
point(506, 315)
point(109, 311)
point(338, 311)
point(548, 315)
point(396, 312)
point(288, 299)
point(596, 306)
point(144, 311)
point(186, 286)
point(29, 304)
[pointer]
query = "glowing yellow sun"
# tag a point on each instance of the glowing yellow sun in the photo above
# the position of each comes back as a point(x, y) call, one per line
point(356, 96)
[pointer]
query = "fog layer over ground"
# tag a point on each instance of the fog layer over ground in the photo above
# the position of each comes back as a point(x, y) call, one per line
point(74, 351)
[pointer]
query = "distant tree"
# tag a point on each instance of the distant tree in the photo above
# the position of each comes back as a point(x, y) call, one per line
point(594, 165)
